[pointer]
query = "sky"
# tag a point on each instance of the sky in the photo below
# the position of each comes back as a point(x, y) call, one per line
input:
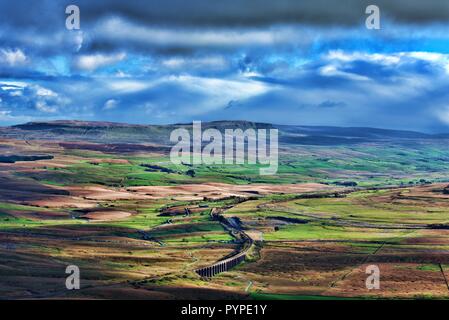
point(175, 61)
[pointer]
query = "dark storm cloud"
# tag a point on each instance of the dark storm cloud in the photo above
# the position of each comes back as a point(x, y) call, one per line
point(46, 14)
point(179, 27)
point(262, 12)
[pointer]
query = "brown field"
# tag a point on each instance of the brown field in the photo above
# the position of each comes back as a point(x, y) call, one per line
point(221, 190)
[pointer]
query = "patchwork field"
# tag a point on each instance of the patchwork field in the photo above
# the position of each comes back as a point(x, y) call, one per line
point(322, 246)
point(139, 226)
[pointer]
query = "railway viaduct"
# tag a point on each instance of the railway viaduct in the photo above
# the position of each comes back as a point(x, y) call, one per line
point(227, 264)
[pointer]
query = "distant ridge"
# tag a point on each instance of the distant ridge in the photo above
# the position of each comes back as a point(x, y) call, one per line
point(75, 123)
point(115, 132)
point(81, 123)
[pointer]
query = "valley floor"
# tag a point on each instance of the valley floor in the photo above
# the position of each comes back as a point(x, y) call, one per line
point(145, 239)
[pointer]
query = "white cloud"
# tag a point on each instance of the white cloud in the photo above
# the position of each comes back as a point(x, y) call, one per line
point(78, 40)
point(392, 59)
point(210, 93)
point(128, 86)
point(239, 87)
point(332, 71)
point(218, 92)
point(44, 92)
point(95, 61)
point(443, 114)
point(110, 104)
point(45, 100)
point(422, 55)
point(13, 85)
point(16, 93)
point(5, 114)
point(121, 74)
point(209, 62)
point(12, 57)
point(44, 107)
point(433, 57)
point(385, 59)
point(338, 60)
point(118, 29)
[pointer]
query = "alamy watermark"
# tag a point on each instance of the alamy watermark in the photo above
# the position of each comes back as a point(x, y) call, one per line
point(373, 20)
point(212, 147)
point(72, 282)
point(73, 20)
point(373, 280)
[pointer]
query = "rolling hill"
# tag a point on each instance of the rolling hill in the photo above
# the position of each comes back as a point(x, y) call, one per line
point(108, 132)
